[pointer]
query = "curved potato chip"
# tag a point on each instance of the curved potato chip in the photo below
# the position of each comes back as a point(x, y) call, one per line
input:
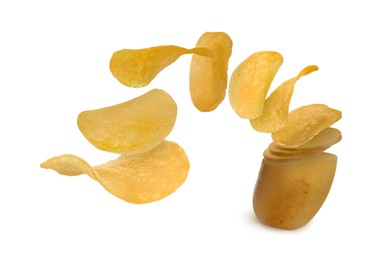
point(208, 76)
point(131, 127)
point(139, 178)
point(250, 83)
point(275, 110)
point(137, 68)
point(69, 165)
point(304, 123)
point(321, 142)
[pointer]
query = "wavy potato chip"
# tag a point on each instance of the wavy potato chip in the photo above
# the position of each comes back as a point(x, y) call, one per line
point(139, 178)
point(208, 75)
point(251, 81)
point(304, 123)
point(137, 68)
point(131, 127)
point(275, 110)
point(69, 165)
point(323, 140)
point(319, 143)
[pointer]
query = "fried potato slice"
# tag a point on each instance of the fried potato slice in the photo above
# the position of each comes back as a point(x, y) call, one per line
point(304, 123)
point(321, 142)
point(131, 127)
point(251, 81)
point(275, 110)
point(137, 68)
point(208, 75)
point(69, 165)
point(139, 178)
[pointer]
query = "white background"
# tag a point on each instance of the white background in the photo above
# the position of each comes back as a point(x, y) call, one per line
point(54, 59)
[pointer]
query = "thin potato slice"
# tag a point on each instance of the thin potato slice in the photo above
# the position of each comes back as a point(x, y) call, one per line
point(137, 68)
point(69, 165)
point(208, 76)
point(281, 152)
point(304, 123)
point(250, 83)
point(151, 176)
point(323, 140)
point(139, 178)
point(269, 155)
point(131, 127)
point(275, 110)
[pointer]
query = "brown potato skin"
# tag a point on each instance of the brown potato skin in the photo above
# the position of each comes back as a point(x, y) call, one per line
point(288, 194)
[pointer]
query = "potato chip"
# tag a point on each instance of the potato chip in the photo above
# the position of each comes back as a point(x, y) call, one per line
point(208, 76)
point(69, 165)
point(131, 127)
point(250, 83)
point(321, 142)
point(139, 178)
point(275, 110)
point(137, 68)
point(304, 123)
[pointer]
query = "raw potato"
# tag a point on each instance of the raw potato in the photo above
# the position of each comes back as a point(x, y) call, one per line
point(137, 68)
point(208, 75)
point(304, 123)
point(282, 153)
point(139, 178)
point(296, 174)
point(270, 156)
point(131, 127)
point(289, 194)
point(275, 110)
point(251, 81)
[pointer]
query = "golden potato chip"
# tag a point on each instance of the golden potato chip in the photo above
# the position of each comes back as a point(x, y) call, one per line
point(139, 178)
point(304, 123)
point(70, 165)
point(208, 76)
point(250, 83)
point(321, 142)
point(151, 176)
point(137, 68)
point(131, 127)
point(275, 110)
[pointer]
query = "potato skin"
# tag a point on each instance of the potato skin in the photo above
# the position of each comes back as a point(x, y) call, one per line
point(287, 195)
